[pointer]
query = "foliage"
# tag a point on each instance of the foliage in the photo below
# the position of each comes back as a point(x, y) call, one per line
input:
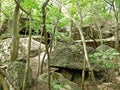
point(105, 59)
point(57, 86)
point(89, 9)
point(61, 36)
point(56, 82)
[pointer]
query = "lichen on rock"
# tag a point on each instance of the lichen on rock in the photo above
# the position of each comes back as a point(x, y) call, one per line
point(15, 74)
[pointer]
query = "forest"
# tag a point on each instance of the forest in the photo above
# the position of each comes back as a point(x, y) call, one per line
point(59, 45)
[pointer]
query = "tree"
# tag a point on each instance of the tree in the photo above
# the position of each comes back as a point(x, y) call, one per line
point(3, 82)
point(115, 10)
point(117, 26)
point(84, 46)
point(15, 39)
point(46, 38)
point(28, 56)
point(0, 12)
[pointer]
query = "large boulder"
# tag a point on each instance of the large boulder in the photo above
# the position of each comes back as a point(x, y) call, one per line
point(105, 57)
point(15, 74)
point(68, 55)
point(103, 48)
point(58, 82)
point(5, 47)
point(69, 59)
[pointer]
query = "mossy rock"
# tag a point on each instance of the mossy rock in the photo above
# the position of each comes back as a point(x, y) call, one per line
point(103, 48)
point(105, 57)
point(15, 73)
point(58, 82)
point(69, 55)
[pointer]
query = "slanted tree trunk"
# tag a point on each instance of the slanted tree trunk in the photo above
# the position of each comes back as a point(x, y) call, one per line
point(79, 26)
point(83, 41)
point(28, 56)
point(82, 37)
point(3, 82)
point(38, 65)
point(55, 28)
point(52, 38)
point(46, 39)
point(15, 39)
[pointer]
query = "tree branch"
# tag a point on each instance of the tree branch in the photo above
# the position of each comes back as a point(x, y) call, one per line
point(55, 27)
point(111, 4)
point(21, 7)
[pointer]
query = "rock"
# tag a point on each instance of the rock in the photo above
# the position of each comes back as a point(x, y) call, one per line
point(34, 46)
point(104, 60)
point(106, 86)
point(58, 82)
point(105, 57)
point(15, 75)
point(93, 30)
point(117, 78)
point(5, 46)
point(103, 48)
point(69, 59)
point(69, 56)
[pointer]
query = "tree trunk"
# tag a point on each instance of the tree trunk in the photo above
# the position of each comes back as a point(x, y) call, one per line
point(84, 46)
point(28, 56)
point(46, 39)
point(0, 13)
point(83, 42)
point(15, 39)
point(117, 26)
point(38, 66)
point(3, 82)
point(113, 4)
point(70, 32)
